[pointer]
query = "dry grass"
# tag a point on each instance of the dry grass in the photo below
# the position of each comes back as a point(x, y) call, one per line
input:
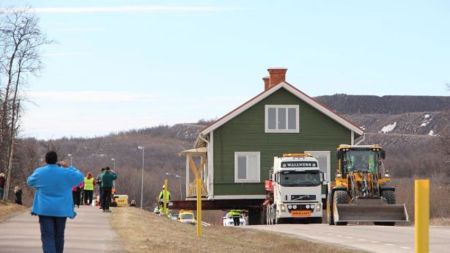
point(8, 209)
point(142, 231)
point(439, 198)
point(440, 221)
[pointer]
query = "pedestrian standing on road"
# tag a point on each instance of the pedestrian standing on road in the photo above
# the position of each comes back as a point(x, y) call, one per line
point(89, 183)
point(100, 189)
point(2, 185)
point(76, 194)
point(53, 201)
point(108, 178)
point(18, 195)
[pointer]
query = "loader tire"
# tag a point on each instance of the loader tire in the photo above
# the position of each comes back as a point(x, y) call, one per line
point(390, 199)
point(389, 196)
point(330, 210)
point(340, 197)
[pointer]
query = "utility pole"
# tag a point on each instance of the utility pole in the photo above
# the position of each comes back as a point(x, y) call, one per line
point(142, 174)
point(70, 157)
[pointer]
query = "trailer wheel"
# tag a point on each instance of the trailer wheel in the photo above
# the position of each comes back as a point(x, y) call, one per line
point(315, 220)
point(340, 197)
point(268, 215)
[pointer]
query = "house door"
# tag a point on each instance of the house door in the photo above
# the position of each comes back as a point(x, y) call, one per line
point(324, 164)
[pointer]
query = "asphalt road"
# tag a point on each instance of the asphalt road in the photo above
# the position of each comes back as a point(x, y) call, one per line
point(90, 231)
point(384, 239)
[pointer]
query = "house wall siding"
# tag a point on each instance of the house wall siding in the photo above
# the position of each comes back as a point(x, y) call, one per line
point(246, 132)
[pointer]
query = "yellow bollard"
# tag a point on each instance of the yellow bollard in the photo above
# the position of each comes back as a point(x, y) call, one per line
point(199, 207)
point(422, 215)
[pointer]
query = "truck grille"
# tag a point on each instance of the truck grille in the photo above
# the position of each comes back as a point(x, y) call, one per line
point(303, 197)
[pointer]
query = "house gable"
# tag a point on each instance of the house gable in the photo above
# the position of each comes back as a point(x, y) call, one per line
point(245, 132)
point(269, 92)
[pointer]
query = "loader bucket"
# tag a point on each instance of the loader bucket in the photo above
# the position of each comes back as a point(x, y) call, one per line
point(371, 211)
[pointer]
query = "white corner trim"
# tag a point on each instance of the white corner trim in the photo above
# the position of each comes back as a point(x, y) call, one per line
point(210, 156)
point(295, 92)
point(240, 197)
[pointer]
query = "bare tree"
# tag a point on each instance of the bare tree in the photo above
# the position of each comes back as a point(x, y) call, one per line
point(21, 40)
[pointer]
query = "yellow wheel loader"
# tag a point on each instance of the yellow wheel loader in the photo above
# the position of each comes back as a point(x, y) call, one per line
point(361, 191)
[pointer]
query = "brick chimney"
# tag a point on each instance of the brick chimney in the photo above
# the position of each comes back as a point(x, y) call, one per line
point(266, 80)
point(276, 76)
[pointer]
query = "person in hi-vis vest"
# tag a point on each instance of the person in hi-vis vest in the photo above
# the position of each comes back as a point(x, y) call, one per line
point(89, 182)
point(164, 198)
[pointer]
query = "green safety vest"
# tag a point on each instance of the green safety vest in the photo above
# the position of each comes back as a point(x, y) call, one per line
point(89, 184)
point(234, 213)
point(164, 195)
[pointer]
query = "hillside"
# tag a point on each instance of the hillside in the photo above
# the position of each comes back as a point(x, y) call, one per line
point(162, 147)
point(352, 104)
point(414, 130)
point(412, 137)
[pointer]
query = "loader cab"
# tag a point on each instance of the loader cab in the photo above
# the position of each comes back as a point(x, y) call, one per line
point(360, 159)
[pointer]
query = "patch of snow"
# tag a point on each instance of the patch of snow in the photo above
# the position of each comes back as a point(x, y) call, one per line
point(363, 127)
point(388, 128)
point(431, 133)
point(426, 120)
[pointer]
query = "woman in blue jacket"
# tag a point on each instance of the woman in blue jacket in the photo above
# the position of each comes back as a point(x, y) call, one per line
point(53, 200)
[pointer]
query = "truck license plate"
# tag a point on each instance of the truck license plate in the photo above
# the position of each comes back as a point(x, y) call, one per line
point(301, 213)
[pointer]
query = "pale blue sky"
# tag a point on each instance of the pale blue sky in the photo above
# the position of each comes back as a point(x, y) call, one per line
point(124, 64)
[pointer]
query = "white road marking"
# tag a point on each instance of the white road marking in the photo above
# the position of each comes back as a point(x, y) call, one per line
point(404, 247)
point(389, 244)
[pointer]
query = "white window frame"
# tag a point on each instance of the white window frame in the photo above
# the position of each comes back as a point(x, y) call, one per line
point(276, 107)
point(258, 167)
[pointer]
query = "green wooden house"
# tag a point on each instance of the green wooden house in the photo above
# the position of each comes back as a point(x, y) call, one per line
point(235, 153)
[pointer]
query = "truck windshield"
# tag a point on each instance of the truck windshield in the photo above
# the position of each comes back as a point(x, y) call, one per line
point(362, 160)
point(300, 178)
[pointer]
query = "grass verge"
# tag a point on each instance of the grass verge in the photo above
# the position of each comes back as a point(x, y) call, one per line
point(142, 231)
point(7, 209)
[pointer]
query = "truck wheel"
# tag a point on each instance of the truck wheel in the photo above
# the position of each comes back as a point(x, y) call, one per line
point(340, 197)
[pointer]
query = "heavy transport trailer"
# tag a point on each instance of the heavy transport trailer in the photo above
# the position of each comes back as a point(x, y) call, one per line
point(361, 190)
point(293, 194)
